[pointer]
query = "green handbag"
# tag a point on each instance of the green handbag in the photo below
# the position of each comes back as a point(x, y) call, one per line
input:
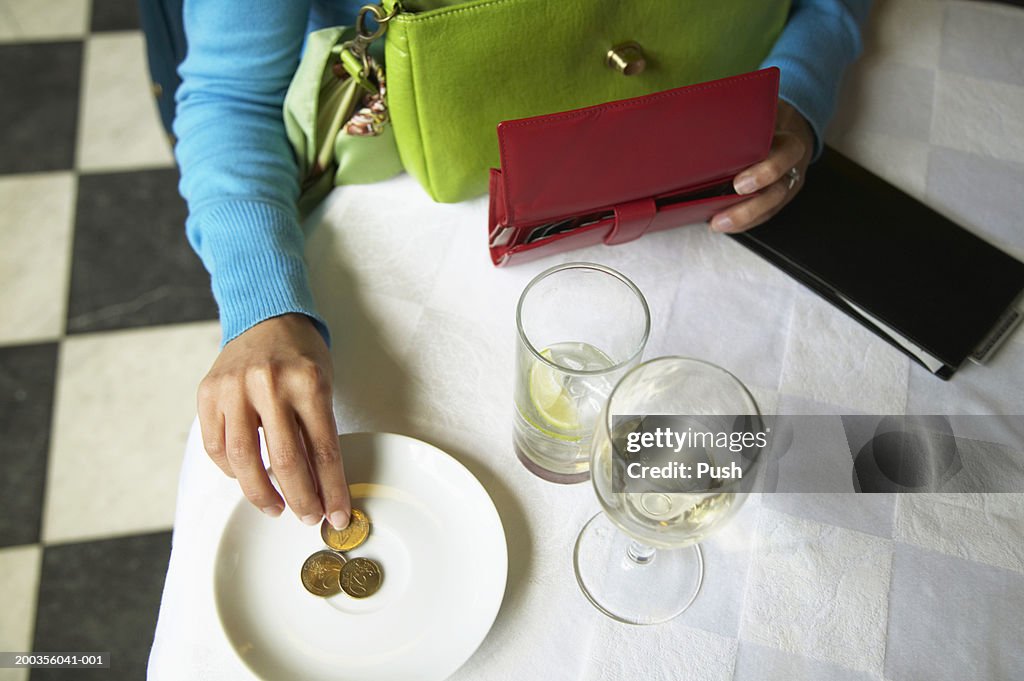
point(337, 124)
point(457, 69)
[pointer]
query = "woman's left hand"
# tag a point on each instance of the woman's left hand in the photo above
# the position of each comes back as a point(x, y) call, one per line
point(769, 181)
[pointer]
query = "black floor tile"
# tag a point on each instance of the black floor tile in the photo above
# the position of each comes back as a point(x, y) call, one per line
point(115, 15)
point(131, 263)
point(38, 105)
point(101, 596)
point(26, 401)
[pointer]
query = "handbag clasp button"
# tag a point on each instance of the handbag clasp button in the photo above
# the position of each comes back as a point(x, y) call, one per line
point(627, 58)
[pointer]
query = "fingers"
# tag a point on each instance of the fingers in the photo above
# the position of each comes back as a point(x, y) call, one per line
point(243, 455)
point(754, 210)
point(321, 438)
point(770, 180)
point(302, 443)
point(788, 151)
point(211, 424)
point(289, 462)
point(277, 374)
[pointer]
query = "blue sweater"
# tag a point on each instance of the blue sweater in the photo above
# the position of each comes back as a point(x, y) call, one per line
point(238, 173)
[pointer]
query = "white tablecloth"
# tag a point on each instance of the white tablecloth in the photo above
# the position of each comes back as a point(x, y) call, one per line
point(798, 586)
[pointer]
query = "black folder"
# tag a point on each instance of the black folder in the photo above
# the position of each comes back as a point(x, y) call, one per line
point(920, 281)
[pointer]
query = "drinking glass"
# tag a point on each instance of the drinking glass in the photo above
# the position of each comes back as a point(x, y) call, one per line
point(638, 560)
point(581, 327)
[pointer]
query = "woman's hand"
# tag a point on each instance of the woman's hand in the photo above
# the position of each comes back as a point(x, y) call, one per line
point(277, 375)
point(769, 181)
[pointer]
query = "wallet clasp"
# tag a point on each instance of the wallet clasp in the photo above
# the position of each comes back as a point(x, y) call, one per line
point(631, 221)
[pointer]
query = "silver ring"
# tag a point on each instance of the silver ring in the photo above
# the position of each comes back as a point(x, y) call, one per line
point(794, 176)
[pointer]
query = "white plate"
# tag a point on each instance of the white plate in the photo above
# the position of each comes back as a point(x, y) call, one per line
point(442, 550)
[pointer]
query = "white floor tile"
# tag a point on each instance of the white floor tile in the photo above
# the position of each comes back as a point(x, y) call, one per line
point(29, 20)
point(34, 263)
point(979, 116)
point(19, 584)
point(819, 590)
point(124, 404)
point(119, 126)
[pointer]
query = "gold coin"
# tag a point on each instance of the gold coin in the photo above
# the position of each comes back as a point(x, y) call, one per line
point(321, 573)
point(361, 577)
point(352, 536)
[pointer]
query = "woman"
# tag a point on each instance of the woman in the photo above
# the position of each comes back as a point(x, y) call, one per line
point(241, 183)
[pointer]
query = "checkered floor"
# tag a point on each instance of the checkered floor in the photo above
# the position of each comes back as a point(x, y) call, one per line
point(106, 327)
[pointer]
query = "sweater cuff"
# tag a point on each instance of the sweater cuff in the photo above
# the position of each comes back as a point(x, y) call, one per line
point(798, 88)
point(254, 252)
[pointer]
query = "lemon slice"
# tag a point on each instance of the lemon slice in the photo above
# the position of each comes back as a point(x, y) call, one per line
point(550, 399)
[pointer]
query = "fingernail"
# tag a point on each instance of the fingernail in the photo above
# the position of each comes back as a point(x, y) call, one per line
point(339, 520)
point(273, 511)
point(745, 184)
point(311, 519)
point(721, 224)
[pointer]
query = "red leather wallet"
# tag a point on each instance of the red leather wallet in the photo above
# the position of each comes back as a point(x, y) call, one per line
point(612, 172)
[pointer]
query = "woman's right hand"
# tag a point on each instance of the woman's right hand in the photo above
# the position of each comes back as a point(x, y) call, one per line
point(277, 375)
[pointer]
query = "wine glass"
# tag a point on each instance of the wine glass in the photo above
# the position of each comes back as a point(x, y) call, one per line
point(638, 560)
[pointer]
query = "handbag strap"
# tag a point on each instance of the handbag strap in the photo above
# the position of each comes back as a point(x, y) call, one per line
point(354, 54)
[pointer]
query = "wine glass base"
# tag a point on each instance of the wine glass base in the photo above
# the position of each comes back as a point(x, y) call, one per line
point(632, 591)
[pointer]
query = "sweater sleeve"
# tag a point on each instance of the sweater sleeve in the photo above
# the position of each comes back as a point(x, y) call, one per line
point(238, 173)
point(821, 38)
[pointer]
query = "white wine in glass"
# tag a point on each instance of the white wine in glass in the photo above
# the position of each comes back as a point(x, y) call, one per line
point(639, 561)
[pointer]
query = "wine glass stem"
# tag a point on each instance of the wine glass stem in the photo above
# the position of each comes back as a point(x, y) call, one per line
point(641, 554)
